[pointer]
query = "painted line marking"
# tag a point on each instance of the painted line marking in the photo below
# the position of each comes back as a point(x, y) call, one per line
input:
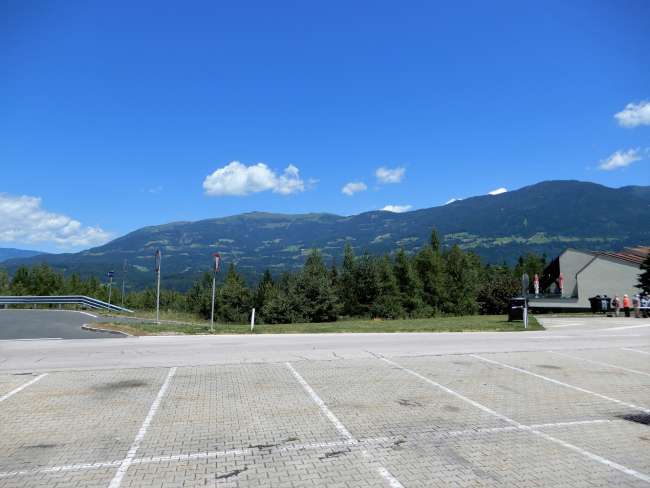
point(635, 350)
point(601, 363)
point(561, 383)
point(552, 337)
point(126, 462)
point(85, 313)
point(292, 448)
point(563, 325)
point(618, 335)
point(628, 327)
point(579, 450)
point(22, 387)
point(34, 339)
point(383, 472)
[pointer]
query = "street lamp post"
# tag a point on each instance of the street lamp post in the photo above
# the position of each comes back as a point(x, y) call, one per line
point(215, 270)
point(110, 285)
point(123, 280)
point(158, 258)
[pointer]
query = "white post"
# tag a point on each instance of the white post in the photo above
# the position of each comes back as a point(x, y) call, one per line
point(214, 286)
point(110, 288)
point(253, 320)
point(525, 315)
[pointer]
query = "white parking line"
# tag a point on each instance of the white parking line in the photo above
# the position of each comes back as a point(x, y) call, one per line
point(383, 472)
point(600, 363)
point(22, 387)
point(628, 327)
point(561, 383)
point(293, 448)
point(124, 465)
point(85, 313)
point(34, 339)
point(579, 450)
point(635, 350)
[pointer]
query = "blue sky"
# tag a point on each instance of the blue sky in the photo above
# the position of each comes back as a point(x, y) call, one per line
point(115, 113)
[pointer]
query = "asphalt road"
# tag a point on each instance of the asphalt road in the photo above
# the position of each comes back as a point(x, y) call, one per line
point(162, 351)
point(47, 324)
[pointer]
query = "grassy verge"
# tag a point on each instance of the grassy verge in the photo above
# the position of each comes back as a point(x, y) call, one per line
point(475, 323)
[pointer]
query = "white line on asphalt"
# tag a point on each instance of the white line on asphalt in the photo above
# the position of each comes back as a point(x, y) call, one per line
point(600, 363)
point(628, 327)
point(22, 387)
point(295, 447)
point(35, 339)
point(124, 466)
point(551, 337)
point(383, 472)
point(561, 383)
point(85, 313)
point(635, 350)
point(579, 450)
point(563, 325)
point(617, 335)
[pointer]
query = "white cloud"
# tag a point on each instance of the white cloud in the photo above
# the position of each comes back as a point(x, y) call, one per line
point(238, 179)
point(620, 159)
point(634, 114)
point(498, 191)
point(23, 220)
point(390, 175)
point(353, 187)
point(452, 200)
point(397, 208)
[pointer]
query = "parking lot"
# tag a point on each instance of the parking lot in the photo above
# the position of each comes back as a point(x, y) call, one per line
point(526, 419)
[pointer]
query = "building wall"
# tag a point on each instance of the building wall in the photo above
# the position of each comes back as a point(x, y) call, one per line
point(607, 277)
point(571, 262)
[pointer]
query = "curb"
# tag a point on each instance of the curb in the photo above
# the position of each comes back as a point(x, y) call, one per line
point(110, 331)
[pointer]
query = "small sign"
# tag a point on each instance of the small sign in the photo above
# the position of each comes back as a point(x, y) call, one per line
point(157, 257)
point(217, 262)
point(110, 274)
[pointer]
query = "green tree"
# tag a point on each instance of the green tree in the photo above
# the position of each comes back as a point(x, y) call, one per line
point(531, 264)
point(5, 283)
point(283, 305)
point(199, 297)
point(409, 285)
point(315, 287)
point(347, 283)
point(387, 304)
point(497, 287)
point(644, 277)
point(429, 266)
point(21, 284)
point(366, 285)
point(234, 298)
point(461, 282)
point(264, 288)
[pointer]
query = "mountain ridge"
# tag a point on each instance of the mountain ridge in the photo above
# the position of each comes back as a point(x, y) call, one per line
point(545, 217)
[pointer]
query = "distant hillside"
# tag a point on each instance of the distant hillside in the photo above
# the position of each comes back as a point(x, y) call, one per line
point(11, 253)
point(544, 218)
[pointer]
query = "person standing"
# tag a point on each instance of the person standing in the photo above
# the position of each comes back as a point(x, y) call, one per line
point(616, 303)
point(626, 305)
point(536, 284)
point(636, 303)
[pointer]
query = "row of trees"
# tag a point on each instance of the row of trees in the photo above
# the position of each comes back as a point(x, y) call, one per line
point(428, 283)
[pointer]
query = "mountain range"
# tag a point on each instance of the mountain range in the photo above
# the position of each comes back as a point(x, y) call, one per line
point(544, 218)
point(12, 253)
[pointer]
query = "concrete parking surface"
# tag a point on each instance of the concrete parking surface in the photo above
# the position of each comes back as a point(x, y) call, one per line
point(555, 417)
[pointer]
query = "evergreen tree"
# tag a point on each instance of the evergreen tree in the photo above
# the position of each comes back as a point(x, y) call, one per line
point(21, 284)
point(234, 298)
point(497, 287)
point(531, 264)
point(283, 305)
point(74, 285)
point(461, 282)
point(430, 270)
point(314, 286)
point(366, 285)
point(434, 241)
point(387, 305)
point(264, 288)
point(644, 277)
point(347, 283)
point(199, 297)
point(5, 283)
point(410, 288)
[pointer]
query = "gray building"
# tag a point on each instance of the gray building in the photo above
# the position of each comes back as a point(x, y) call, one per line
point(585, 274)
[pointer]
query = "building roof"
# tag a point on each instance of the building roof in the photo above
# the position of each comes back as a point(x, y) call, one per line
point(634, 255)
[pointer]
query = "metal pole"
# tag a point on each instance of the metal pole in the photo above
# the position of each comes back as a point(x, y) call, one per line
point(110, 288)
point(253, 320)
point(214, 285)
point(525, 314)
point(158, 291)
point(123, 280)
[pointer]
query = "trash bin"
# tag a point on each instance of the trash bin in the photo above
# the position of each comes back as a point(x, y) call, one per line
point(595, 303)
point(516, 309)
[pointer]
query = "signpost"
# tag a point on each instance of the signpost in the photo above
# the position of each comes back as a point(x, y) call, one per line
point(110, 275)
point(158, 259)
point(123, 280)
point(215, 270)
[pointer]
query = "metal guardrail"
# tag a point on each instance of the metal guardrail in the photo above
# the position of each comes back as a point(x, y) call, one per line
point(61, 300)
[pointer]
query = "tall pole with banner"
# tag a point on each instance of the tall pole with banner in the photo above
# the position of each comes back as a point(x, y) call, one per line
point(158, 258)
point(217, 262)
